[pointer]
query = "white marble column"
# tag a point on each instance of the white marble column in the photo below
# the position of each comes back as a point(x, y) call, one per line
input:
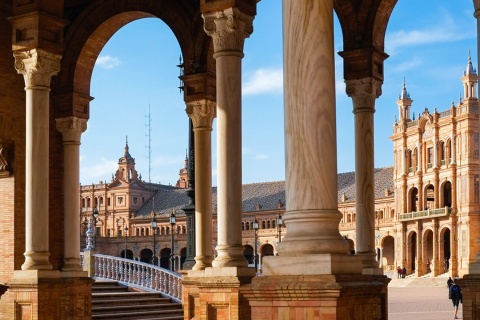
point(71, 129)
point(228, 29)
point(312, 215)
point(37, 67)
point(202, 114)
point(363, 93)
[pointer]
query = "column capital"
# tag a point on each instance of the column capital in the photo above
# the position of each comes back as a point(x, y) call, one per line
point(202, 112)
point(228, 28)
point(71, 128)
point(37, 66)
point(363, 93)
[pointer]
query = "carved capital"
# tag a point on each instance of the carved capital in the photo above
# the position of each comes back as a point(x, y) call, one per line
point(363, 93)
point(37, 66)
point(202, 113)
point(228, 28)
point(6, 158)
point(71, 128)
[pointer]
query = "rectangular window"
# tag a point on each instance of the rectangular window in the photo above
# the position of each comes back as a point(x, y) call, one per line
point(430, 155)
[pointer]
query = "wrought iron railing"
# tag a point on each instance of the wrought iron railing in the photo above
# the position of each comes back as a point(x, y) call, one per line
point(139, 275)
point(425, 213)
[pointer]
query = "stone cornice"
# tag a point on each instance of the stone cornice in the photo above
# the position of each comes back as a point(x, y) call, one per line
point(71, 128)
point(202, 113)
point(363, 93)
point(37, 66)
point(228, 28)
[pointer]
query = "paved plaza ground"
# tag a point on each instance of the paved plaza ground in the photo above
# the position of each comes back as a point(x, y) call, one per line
point(425, 301)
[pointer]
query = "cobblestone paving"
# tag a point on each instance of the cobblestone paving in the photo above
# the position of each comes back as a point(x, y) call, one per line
point(425, 303)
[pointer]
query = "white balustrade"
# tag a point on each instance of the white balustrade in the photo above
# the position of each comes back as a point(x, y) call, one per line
point(137, 274)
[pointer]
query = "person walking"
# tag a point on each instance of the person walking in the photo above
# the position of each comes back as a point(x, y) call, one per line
point(449, 283)
point(455, 294)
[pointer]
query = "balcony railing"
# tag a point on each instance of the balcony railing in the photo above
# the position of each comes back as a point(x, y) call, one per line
point(442, 212)
point(138, 275)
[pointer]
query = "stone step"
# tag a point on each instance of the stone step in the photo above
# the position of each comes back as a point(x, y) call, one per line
point(124, 295)
point(170, 307)
point(132, 301)
point(153, 314)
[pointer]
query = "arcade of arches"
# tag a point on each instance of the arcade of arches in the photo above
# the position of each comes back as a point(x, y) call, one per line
point(42, 117)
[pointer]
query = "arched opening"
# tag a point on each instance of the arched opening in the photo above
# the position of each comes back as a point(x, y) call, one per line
point(445, 245)
point(165, 258)
point(430, 197)
point(267, 250)
point(129, 254)
point(447, 194)
point(413, 200)
point(427, 251)
point(388, 253)
point(146, 256)
point(412, 251)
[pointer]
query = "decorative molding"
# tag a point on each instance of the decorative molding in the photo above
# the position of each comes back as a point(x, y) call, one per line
point(202, 113)
point(37, 66)
point(6, 158)
point(228, 28)
point(71, 128)
point(363, 93)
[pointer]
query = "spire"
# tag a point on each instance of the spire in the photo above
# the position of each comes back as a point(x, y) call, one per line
point(470, 70)
point(404, 103)
point(126, 145)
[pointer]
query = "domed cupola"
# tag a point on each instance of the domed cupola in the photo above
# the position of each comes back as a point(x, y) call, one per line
point(469, 80)
point(126, 166)
point(404, 103)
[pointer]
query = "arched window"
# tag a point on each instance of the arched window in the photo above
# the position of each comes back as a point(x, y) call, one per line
point(247, 226)
point(184, 229)
point(137, 232)
point(147, 231)
point(101, 201)
point(83, 202)
point(268, 224)
point(88, 203)
point(163, 231)
point(273, 223)
point(243, 226)
point(168, 230)
point(263, 224)
point(143, 232)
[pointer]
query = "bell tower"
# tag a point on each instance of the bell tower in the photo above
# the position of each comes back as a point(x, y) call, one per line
point(404, 104)
point(469, 80)
point(126, 166)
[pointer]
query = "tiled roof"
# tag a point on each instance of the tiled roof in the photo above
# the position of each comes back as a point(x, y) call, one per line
point(263, 196)
point(383, 180)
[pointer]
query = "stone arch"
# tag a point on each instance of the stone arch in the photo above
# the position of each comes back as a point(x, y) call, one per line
point(429, 196)
point(411, 256)
point(444, 248)
point(95, 25)
point(427, 250)
point(248, 253)
point(446, 194)
point(412, 200)
point(165, 258)
point(146, 255)
point(387, 245)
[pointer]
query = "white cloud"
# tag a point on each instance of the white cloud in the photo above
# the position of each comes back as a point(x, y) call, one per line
point(261, 156)
point(107, 62)
point(100, 171)
point(408, 65)
point(447, 30)
point(264, 81)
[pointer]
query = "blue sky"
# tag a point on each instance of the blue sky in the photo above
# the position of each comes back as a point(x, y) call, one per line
point(137, 69)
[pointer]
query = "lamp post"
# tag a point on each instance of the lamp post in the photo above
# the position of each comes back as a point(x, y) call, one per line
point(255, 228)
point(126, 237)
point(95, 216)
point(279, 226)
point(154, 230)
point(172, 223)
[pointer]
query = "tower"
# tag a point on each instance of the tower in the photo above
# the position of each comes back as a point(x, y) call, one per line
point(126, 166)
point(404, 104)
point(469, 80)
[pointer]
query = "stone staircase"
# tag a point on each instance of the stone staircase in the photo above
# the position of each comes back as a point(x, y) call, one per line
point(424, 281)
point(111, 300)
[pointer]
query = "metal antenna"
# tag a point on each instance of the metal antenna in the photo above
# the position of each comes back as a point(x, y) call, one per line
point(149, 131)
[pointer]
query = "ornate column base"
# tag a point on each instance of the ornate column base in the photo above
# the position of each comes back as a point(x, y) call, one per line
point(314, 264)
point(47, 298)
point(470, 285)
point(214, 293)
point(318, 297)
